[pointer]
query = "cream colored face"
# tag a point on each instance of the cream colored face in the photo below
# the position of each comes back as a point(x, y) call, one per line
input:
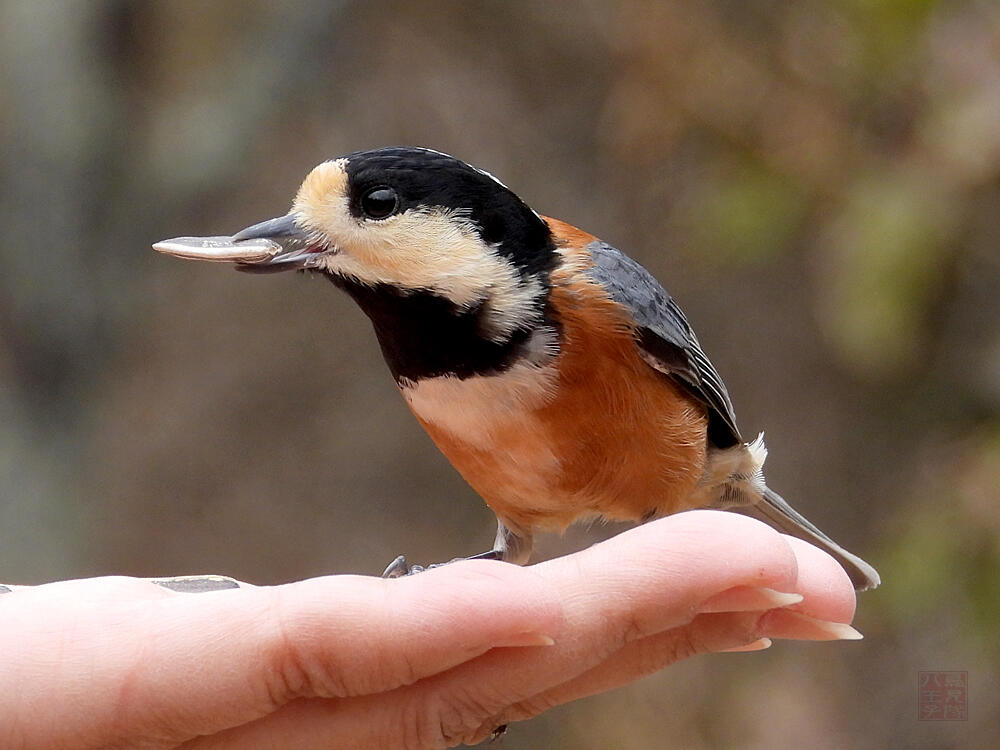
point(433, 249)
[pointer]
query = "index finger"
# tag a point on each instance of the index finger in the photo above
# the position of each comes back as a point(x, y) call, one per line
point(182, 665)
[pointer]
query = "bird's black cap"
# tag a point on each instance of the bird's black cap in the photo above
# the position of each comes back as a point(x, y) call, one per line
point(427, 179)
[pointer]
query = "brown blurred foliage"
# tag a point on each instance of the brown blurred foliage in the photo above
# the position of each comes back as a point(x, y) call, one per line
point(817, 183)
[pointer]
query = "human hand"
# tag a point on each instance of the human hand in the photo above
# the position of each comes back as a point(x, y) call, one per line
point(427, 661)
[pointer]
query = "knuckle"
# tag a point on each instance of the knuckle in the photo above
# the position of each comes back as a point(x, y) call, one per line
point(619, 631)
point(295, 671)
point(446, 720)
point(630, 629)
point(461, 715)
point(303, 661)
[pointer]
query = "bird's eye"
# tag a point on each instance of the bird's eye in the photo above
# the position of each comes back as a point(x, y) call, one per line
point(379, 202)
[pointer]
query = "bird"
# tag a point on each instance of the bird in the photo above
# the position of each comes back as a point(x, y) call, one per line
point(555, 373)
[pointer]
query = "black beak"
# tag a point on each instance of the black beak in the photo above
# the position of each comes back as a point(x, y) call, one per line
point(274, 245)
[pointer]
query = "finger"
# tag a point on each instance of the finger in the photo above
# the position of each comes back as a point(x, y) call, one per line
point(706, 633)
point(181, 665)
point(389, 633)
point(436, 714)
point(831, 595)
point(642, 582)
point(825, 589)
point(317, 723)
point(707, 553)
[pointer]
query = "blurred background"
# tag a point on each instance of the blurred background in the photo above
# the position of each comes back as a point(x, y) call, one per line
point(817, 183)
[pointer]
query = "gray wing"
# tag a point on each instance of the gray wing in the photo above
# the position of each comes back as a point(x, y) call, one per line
point(664, 336)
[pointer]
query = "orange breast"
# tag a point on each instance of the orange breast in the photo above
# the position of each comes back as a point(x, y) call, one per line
point(600, 433)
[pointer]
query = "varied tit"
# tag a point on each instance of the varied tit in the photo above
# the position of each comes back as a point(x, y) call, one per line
point(554, 372)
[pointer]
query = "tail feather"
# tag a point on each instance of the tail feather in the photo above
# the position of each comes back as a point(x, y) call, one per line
point(774, 511)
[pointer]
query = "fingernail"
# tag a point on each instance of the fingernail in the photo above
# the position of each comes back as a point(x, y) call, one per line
point(526, 639)
point(759, 645)
point(795, 625)
point(749, 599)
point(197, 584)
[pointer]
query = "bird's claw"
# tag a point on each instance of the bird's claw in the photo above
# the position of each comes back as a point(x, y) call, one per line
point(400, 567)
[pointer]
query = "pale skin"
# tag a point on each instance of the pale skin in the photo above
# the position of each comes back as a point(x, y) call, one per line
point(427, 661)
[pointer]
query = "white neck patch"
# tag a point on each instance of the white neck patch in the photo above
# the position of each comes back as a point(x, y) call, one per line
point(473, 409)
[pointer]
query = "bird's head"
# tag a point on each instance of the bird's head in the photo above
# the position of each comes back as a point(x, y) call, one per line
point(408, 221)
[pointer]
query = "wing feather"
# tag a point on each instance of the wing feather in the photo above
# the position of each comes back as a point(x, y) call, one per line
point(664, 336)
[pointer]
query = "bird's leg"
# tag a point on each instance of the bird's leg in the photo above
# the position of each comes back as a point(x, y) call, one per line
point(507, 547)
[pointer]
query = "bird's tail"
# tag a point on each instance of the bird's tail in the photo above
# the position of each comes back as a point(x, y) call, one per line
point(774, 511)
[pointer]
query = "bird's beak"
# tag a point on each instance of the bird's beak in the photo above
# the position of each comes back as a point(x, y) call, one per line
point(274, 245)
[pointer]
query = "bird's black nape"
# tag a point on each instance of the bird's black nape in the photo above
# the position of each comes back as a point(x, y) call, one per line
point(426, 179)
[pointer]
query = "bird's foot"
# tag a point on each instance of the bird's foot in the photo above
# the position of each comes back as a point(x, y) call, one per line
point(400, 567)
